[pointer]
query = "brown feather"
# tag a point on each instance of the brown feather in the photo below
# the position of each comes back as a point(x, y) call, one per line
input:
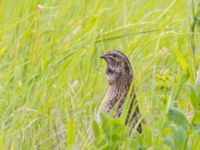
point(119, 75)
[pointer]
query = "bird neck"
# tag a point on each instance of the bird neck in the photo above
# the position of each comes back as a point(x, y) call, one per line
point(122, 83)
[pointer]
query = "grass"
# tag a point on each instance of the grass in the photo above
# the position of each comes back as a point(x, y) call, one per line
point(52, 80)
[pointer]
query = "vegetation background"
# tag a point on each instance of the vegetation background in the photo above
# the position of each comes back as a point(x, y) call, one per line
point(52, 80)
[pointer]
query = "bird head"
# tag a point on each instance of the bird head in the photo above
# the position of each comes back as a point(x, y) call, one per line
point(118, 66)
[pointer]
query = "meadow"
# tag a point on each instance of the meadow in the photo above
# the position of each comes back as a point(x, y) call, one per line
point(52, 80)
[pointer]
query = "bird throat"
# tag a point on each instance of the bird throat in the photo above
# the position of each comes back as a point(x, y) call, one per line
point(111, 75)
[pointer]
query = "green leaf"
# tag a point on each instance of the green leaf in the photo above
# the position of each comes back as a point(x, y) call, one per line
point(182, 61)
point(169, 142)
point(198, 92)
point(70, 132)
point(193, 97)
point(196, 118)
point(178, 117)
point(197, 128)
point(179, 138)
point(106, 123)
point(97, 131)
point(147, 136)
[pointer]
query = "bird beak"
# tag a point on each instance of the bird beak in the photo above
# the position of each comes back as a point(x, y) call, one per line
point(103, 56)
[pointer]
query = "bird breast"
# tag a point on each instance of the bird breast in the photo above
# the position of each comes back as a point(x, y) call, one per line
point(111, 78)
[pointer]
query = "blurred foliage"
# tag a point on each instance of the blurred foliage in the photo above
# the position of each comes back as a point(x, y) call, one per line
point(52, 80)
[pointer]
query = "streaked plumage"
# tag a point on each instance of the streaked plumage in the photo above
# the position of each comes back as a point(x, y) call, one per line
point(119, 75)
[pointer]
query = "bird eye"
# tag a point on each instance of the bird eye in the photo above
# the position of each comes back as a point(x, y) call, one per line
point(114, 55)
point(110, 58)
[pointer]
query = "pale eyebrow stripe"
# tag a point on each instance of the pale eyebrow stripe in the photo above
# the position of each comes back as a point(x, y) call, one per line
point(118, 53)
point(122, 55)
